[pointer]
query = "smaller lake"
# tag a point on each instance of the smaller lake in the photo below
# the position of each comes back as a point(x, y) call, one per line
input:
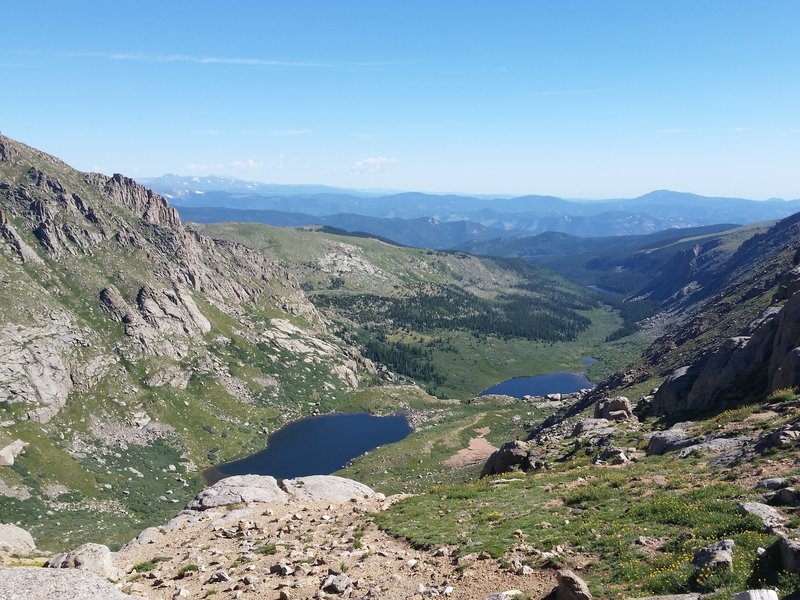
point(588, 361)
point(560, 382)
point(316, 446)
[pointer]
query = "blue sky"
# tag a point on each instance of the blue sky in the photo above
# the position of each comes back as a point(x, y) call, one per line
point(573, 98)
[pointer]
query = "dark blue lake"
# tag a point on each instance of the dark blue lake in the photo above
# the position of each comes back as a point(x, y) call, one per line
point(316, 446)
point(560, 382)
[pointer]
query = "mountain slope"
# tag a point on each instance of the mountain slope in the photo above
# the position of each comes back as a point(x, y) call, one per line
point(421, 232)
point(122, 329)
point(456, 323)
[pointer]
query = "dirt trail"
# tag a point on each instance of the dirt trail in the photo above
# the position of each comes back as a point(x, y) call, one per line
point(477, 452)
point(311, 542)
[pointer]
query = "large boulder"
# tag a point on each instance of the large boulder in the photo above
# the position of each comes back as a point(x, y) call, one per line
point(239, 489)
point(670, 440)
point(756, 595)
point(671, 395)
point(15, 539)
point(325, 487)
point(9, 453)
point(34, 583)
point(784, 361)
point(95, 558)
point(593, 428)
point(516, 455)
point(767, 359)
point(789, 552)
point(788, 496)
point(714, 557)
point(772, 518)
point(571, 587)
point(614, 409)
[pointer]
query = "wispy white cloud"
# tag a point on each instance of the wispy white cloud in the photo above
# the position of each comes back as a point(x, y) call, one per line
point(247, 165)
point(372, 164)
point(219, 60)
point(203, 168)
point(290, 132)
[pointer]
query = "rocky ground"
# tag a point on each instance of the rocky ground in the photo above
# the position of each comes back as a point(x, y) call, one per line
point(315, 541)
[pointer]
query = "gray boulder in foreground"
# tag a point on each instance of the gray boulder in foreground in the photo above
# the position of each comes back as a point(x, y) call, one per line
point(510, 456)
point(95, 558)
point(325, 487)
point(756, 595)
point(772, 518)
point(571, 587)
point(35, 583)
point(15, 539)
point(239, 489)
point(670, 440)
point(716, 556)
point(247, 489)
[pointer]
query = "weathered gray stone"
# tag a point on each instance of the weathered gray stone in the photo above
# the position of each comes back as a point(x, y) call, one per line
point(773, 346)
point(617, 405)
point(336, 584)
point(592, 427)
point(219, 577)
point(325, 487)
point(282, 568)
point(773, 483)
point(785, 436)
point(611, 455)
point(149, 535)
point(771, 517)
point(714, 445)
point(95, 558)
point(789, 551)
point(42, 363)
point(23, 251)
point(239, 489)
point(670, 397)
point(35, 583)
point(15, 539)
point(714, 557)
point(756, 595)
point(571, 587)
point(668, 441)
point(787, 496)
point(515, 455)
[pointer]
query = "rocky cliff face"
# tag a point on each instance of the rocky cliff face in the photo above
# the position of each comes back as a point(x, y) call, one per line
point(111, 307)
point(766, 358)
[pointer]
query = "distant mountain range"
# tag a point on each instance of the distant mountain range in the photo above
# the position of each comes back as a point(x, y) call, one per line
point(448, 221)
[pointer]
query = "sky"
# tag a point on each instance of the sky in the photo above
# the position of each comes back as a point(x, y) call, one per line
point(578, 99)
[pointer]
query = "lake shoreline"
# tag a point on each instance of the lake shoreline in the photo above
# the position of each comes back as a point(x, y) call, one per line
point(315, 445)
